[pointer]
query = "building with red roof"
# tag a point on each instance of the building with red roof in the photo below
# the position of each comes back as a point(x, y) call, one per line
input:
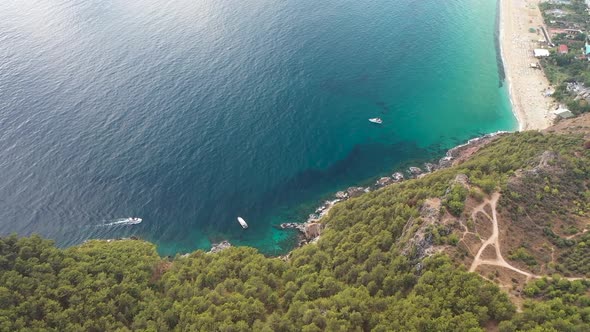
point(563, 49)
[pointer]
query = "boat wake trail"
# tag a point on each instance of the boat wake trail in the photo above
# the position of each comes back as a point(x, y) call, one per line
point(122, 221)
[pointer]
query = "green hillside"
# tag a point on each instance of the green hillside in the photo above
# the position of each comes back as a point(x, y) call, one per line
point(366, 272)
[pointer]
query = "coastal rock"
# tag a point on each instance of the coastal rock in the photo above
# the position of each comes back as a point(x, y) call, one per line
point(415, 170)
point(430, 167)
point(383, 181)
point(293, 225)
point(397, 176)
point(355, 191)
point(312, 230)
point(217, 247)
point(341, 195)
point(312, 217)
point(445, 162)
point(324, 209)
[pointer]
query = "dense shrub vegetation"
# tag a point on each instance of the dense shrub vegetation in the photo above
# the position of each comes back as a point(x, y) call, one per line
point(577, 258)
point(358, 277)
point(566, 307)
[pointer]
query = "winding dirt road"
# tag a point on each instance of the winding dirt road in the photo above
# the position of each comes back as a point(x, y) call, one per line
point(494, 240)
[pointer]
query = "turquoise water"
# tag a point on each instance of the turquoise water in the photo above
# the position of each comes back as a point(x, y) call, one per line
point(191, 113)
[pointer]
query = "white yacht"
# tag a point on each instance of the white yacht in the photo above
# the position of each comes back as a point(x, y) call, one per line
point(376, 120)
point(242, 222)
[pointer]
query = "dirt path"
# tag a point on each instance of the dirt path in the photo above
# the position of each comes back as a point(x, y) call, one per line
point(584, 231)
point(494, 240)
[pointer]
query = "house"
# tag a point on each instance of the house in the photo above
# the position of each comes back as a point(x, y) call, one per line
point(563, 113)
point(563, 49)
point(540, 52)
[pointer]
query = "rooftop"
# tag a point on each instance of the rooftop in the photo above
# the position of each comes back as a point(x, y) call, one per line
point(541, 52)
point(563, 113)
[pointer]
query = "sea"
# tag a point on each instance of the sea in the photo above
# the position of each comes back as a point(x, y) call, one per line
point(190, 113)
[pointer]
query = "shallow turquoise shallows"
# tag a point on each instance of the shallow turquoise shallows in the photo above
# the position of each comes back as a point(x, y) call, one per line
point(190, 113)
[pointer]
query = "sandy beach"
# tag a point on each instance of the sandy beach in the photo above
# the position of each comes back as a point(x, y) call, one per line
point(526, 84)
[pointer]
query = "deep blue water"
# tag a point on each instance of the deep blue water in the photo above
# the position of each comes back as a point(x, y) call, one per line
point(189, 113)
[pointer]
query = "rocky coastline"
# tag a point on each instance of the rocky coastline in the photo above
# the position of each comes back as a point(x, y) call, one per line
point(217, 247)
point(310, 230)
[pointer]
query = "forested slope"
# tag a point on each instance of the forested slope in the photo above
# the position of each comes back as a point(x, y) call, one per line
point(367, 272)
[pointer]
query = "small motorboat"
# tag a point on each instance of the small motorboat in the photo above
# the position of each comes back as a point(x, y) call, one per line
point(242, 222)
point(134, 221)
point(376, 120)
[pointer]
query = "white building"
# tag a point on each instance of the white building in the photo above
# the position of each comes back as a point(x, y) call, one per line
point(563, 113)
point(540, 52)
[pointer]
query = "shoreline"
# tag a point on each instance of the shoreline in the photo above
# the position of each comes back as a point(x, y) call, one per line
point(310, 230)
point(527, 115)
point(513, 62)
point(525, 84)
point(505, 78)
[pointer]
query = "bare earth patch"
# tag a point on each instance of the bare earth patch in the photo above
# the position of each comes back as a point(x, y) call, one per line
point(489, 253)
point(483, 226)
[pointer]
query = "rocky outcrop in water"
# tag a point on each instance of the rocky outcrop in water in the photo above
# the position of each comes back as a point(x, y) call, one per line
point(397, 176)
point(355, 191)
point(415, 171)
point(430, 167)
point(382, 182)
point(217, 247)
point(293, 225)
point(341, 195)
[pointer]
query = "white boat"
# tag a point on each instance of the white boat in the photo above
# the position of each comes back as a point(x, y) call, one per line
point(242, 222)
point(134, 221)
point(376, 120)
